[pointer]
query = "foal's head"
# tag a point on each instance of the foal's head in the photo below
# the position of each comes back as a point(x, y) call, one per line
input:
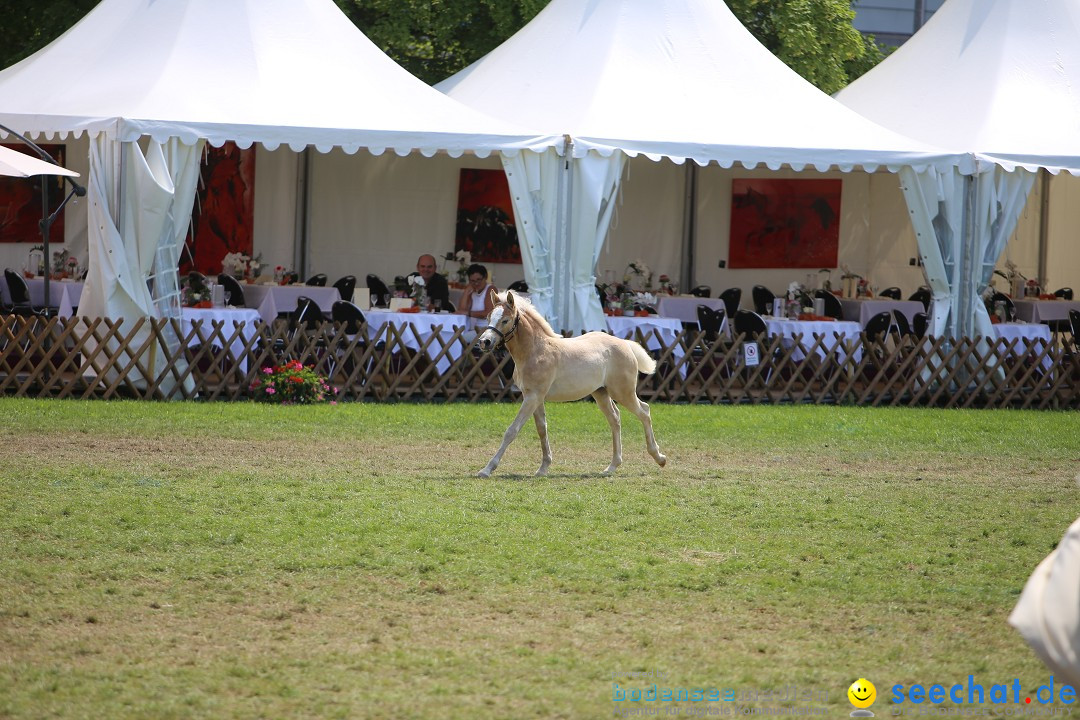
point(501, 325)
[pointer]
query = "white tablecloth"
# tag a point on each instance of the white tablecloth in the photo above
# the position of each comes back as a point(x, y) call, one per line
point(63, 294)
point(1029, 332)
point(270, 300)
point(667, 328)
point(415, 330)
point(835, 333)
point(685, 308)
point(1039, 311)
point(860, 310)
point(246, 317)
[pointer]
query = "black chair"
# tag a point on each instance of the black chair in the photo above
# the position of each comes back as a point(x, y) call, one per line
point(348, 314)
point(345, 287)
point(1065, 293)
point(519, 286)
point(893, 293)
point(318, 280)
point(921, 322)
point(1074, 323)
point(887, 323)
point(711, 321)
point(763, 299)
point(833, 308)
point(924, 296)
point(449, 307)
point(307, 314)
point(380, 294)
point(701, 291)
point(731, 297)
point(234, 292)
point(20, 297)
point(750, 324)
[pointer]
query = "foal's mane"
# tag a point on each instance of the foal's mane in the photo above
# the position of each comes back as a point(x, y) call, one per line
point(530, 314)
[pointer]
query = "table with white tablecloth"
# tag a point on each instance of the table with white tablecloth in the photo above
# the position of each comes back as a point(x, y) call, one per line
point(270, 300)
point(63, 294)
point(416, 329)
point(684, 308)
point(658, 331)
point(860, 310)
point(200, 321)
point(1025, 334)
point(1033, 310)
point(834, 332)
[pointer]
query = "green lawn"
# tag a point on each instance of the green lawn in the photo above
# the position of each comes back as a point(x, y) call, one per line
point(234, 560)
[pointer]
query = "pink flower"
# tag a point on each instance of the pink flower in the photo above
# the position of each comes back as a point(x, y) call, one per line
point(268, 370)
point(270, 391)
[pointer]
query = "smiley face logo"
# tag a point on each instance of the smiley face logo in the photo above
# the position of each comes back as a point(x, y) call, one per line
point(862, 693)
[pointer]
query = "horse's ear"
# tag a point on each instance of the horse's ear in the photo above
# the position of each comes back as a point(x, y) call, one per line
point(493, 296)
point(510, 299)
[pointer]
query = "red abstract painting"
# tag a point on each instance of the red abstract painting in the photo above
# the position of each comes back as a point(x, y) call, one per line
point(784, 223)
point(20, 201)
point(223, 218)
point(485, 217)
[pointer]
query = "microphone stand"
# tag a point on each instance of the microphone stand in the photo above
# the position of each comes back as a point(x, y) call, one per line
point(47, 220)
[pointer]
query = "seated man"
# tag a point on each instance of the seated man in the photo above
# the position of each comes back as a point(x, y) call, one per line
point(434, 284)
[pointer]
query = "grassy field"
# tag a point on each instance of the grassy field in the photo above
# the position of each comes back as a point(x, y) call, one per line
point(241, 561)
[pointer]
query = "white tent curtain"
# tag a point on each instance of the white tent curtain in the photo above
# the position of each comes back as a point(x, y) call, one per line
point(148, 194)
point(561, 238)
point(935, 203)
point(1000, 197)
point(595, 185)
point(536, 182)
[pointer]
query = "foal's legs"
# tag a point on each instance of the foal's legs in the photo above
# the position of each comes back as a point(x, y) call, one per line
point(627, 397)
point(540, 418)
point(603, 401)
point(529, 403)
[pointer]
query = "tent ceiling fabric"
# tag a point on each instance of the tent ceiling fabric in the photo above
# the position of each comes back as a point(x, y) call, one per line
point(999, 77)
point(16, 164)
point(276, 72)
point(681, 79)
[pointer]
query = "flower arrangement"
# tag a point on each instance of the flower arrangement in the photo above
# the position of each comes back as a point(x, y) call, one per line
point(464, 259)
point(196, 293)
point(644, 300)
point(292, 384)
point(419, 291)
point(638, 274)
point(241, 265)
point(798, 300)
point(59, 262)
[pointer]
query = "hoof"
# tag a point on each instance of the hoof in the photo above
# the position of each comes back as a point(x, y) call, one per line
point(484, 473)
point(611, 469)
point(541, 472)
point(661, 460)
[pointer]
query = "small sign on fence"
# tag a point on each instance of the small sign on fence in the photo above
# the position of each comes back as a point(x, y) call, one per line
point(751, 356)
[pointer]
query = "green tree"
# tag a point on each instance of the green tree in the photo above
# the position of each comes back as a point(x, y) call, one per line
point(815, 38)
point(29, 26)
point(433, 39)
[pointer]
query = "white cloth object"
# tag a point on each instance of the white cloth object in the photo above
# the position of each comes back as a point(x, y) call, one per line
point(1048, 612)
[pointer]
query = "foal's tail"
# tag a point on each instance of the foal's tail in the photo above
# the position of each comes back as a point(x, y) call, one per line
point(645, 363)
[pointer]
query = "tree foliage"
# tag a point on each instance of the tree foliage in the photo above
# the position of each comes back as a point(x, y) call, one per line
point(433, 39)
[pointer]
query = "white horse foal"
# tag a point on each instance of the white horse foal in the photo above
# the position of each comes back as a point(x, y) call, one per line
point(548, 366)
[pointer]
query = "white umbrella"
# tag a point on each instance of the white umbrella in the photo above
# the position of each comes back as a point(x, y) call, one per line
point(17, 164)
point(1048, 612)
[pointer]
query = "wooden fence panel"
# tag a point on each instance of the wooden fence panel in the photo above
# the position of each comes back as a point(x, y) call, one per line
point(154, 359)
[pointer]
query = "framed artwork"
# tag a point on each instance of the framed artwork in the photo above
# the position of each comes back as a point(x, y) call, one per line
point(223, 218)
point(485, 217)
point(784, 223)
point(20, 201)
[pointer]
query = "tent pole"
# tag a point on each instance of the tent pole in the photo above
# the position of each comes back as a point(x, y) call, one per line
point(689, 229)
point(1044, 224)
point(964, 322)
point(303, 207)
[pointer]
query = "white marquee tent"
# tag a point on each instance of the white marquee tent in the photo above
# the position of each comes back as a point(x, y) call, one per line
point(681, 79)
point(997, 77)
point(180, 72)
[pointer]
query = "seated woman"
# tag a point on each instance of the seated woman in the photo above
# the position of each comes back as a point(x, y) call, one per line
point(475, 300)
